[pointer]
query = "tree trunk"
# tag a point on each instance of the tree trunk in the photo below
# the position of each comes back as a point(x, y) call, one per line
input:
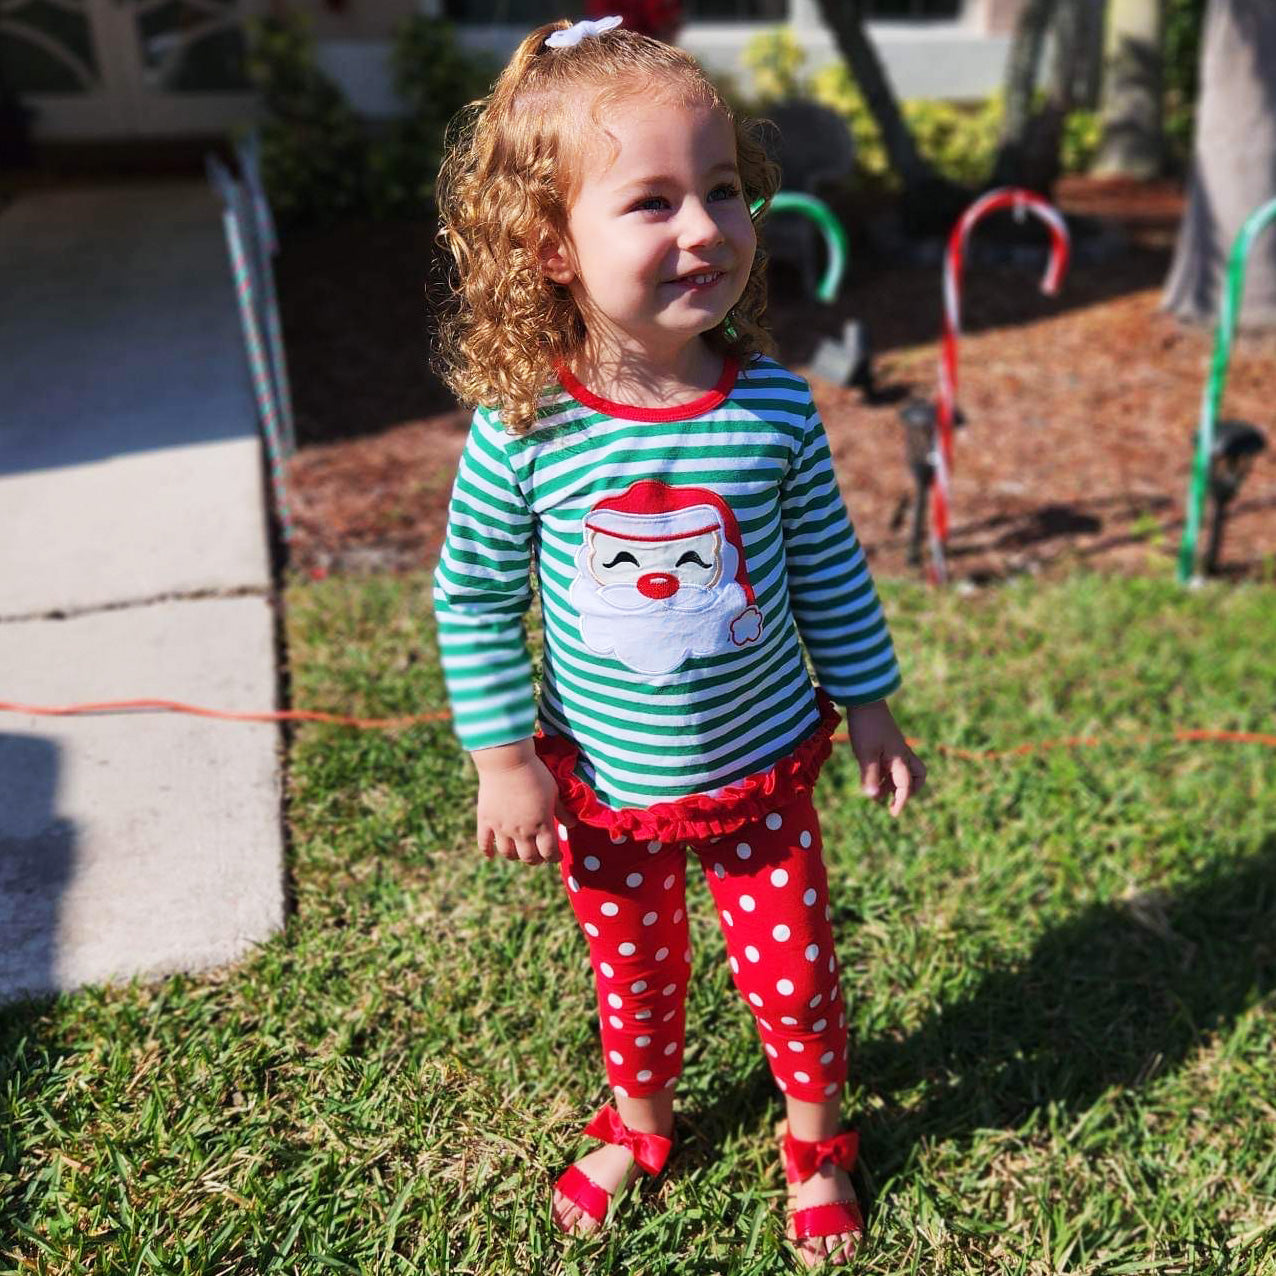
point(1233, 166)
point(1022, 65)
point(1133, 142)
point(843, 19)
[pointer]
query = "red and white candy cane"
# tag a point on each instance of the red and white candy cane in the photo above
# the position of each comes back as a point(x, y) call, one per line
point(1006, 197)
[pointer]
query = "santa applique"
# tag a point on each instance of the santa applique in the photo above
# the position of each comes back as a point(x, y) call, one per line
point(661, 577)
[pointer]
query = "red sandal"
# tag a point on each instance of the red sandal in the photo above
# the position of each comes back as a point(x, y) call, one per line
point(650, 1151)
point(801, 1161)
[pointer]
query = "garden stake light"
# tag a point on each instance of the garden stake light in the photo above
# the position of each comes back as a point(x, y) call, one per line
point(1213, 396)
point(232, 197)
point(1021, 201)
point(1236, 444)
point(919, 420)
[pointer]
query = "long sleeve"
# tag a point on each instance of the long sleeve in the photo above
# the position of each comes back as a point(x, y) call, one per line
point(831, 592)
point(482, 592)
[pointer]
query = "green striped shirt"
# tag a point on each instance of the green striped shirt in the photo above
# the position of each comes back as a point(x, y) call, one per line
point(678, 560)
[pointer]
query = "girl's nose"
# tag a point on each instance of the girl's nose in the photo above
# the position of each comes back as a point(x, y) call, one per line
point(699, 227)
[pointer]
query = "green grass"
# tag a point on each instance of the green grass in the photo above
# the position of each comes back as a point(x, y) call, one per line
point(1059, 972)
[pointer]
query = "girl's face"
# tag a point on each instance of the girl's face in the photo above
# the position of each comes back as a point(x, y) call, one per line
point(668, 207)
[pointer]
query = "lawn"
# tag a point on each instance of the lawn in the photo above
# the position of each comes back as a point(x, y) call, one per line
point(1058, 970)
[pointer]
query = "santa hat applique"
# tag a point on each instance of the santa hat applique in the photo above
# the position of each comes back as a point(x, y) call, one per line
point(650, 510)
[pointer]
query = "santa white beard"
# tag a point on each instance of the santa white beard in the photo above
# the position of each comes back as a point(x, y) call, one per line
point(655, 635)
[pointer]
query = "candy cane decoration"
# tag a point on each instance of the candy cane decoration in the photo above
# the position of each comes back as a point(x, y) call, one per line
point(1006, 197)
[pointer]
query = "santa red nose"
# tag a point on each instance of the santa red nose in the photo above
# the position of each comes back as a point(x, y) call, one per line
point(657, 585)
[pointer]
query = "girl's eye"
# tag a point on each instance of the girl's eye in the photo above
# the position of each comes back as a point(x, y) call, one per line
point(728, 191)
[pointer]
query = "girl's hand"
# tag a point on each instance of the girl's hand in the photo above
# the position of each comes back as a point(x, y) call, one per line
point(889, 769)
point(518, 805)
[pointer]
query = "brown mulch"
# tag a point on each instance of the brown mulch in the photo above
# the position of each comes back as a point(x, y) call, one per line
point(1081, 408)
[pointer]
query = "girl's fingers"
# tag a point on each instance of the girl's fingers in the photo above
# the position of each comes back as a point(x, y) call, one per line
point(902, 779)
point(547, 845)
point(872, 777)
point(483, 839)
point(505, 846)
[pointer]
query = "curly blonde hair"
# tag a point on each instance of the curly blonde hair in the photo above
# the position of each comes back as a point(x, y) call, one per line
point(511, 169)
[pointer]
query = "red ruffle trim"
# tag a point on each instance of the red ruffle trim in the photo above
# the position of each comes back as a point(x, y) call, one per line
point(697, 815)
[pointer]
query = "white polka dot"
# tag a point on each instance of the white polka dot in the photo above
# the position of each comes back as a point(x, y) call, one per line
point(617, 838)
point(809, 896)
point(826, 1057)
point(614, 1001)
point(735, 965)
point(669, 881)
point(616, 1021)
point(591, 929)
point(800, 1076)
point(747, 903)
point(620, 1090)
point(796, 1046)
point(788, 1021)
point(677, 915)
point(606, 968)
point(653, 847)
point(639, 985)
point(837, 992)
point(669, 1014)
point(649, 919)
point(645, 1075)
point(804, 838)
point(753, 997)
point(779, 877)
point(642, 1041)
point(642, 1014)
point(812, 951)
point(784, 986)
point(726, 917)
point(609, 909)
point(744, 850)
point(661, 954)
point(773, 821)
point(616, 1057)
point(815, 1001)
point(668, 990)
point(562, 832)
point(626, 949)
point(671, 1047)
point(828, 913)
point(686, 956)
point(752, 953)
point(772, 1051)
point(832, 964)
point(719, 872)
point(841, 1020)
point(573, 883)
point(831, 1088)
point(634, 879)
point(780, 1081)
point(819, 1025)
point(673, 1081)
point(764, 1023)
point(780, 932)
point(591, 862)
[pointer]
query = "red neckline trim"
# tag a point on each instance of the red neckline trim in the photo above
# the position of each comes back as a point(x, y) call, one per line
point(631, 412)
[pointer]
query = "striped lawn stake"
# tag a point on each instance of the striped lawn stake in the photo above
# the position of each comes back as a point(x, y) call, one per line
point(1213, 396)
point(1006, 197)
point(266, 245)
point(227, 189)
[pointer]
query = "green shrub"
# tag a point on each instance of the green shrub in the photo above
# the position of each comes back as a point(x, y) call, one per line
point(313, 147)
point(435, 78)
point(959, 139)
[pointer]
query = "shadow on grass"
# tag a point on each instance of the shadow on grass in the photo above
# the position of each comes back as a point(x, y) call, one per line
point(1120, 994)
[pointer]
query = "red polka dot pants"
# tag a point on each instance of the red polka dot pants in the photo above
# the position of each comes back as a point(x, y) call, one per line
point(769, 884)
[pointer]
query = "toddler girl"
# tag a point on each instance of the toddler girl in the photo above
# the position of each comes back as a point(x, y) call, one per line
point(635, 441)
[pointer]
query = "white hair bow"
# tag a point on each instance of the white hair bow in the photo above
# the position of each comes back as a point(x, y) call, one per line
point(574, 34)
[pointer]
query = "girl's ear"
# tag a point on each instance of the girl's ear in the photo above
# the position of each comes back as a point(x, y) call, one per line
point(555, 263)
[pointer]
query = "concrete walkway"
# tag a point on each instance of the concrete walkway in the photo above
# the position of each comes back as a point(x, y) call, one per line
point(133, 563)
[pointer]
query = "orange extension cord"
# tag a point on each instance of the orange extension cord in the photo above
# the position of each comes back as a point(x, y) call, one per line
point(440, 715)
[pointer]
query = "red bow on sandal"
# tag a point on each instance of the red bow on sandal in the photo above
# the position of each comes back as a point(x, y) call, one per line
point(650, 1151)
point(801, 1160)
